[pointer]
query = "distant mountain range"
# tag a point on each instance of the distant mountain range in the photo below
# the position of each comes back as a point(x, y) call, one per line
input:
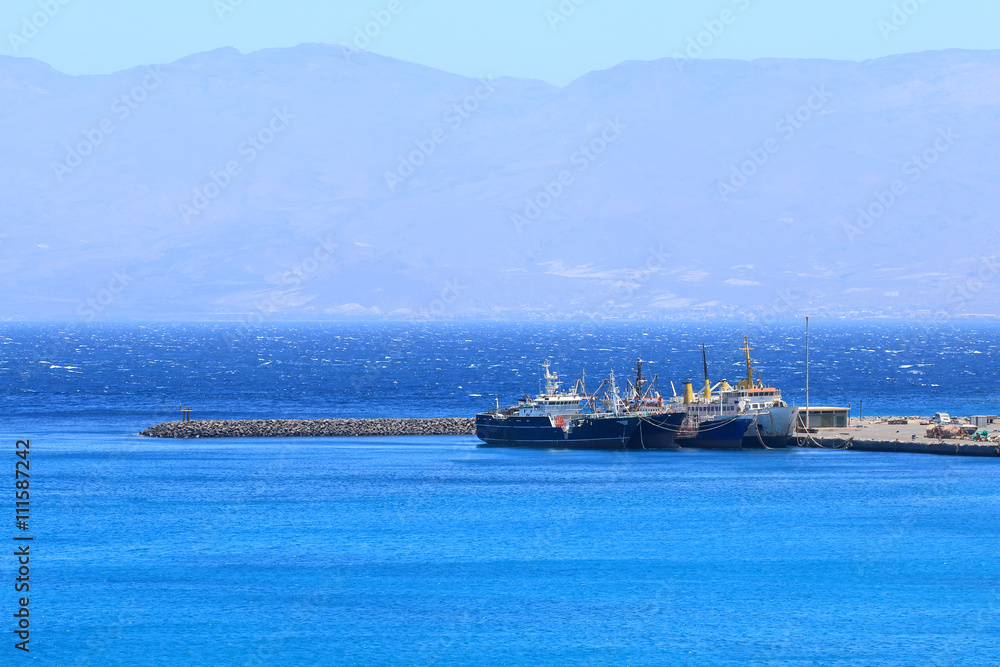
point(319, 182)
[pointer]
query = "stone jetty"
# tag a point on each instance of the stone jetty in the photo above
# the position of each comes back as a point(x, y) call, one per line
point(310, 428)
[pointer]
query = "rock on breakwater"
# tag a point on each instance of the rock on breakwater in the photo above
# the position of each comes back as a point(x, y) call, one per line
point(310, 428)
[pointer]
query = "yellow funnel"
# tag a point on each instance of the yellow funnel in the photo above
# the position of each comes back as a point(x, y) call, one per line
point(688, 393)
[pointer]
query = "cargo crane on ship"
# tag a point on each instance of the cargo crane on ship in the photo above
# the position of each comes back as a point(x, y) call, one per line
point(612, 417)
point(771, 420)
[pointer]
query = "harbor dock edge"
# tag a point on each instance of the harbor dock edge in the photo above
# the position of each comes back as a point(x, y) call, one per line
point(870, 437)
point(898, 434)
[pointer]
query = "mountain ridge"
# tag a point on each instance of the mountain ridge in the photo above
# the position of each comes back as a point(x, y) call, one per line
point(392, 190)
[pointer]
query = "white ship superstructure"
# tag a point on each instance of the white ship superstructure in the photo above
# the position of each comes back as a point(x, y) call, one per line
point(552, 401)
point(774, 419)
point(638, 397)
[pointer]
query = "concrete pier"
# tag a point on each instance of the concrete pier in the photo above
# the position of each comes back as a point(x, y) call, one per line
point(876, 435)
point(310, 428)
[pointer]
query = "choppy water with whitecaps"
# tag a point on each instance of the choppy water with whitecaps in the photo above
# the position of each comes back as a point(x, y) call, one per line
point(421, 551)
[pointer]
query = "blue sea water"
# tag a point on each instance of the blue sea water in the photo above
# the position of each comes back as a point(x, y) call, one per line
point(133, 374)
point(431, 551)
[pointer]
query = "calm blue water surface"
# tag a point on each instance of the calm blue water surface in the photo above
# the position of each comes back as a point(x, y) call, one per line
point(419, 551)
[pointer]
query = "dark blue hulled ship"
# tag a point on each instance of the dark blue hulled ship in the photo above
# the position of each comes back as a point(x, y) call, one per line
point(715, 432)
point(610, 418)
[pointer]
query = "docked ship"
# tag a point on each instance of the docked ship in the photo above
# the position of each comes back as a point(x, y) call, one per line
point(631, 417)
point(765, 419)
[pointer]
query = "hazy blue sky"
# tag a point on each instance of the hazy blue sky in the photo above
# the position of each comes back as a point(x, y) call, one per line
point(525, 38)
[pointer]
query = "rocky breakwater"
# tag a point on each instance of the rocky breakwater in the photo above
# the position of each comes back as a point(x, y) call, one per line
point(310, 428)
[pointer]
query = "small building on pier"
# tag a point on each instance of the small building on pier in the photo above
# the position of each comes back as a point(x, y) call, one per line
point(824, 417)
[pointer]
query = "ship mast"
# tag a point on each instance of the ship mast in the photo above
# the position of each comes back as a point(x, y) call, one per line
point(807, 375)
point(748, 383)
point(638, 382)
point(707, 391)
point(551, 386)
point(614, 390)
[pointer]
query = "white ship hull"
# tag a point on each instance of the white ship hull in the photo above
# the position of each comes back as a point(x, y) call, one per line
point(775, 426)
